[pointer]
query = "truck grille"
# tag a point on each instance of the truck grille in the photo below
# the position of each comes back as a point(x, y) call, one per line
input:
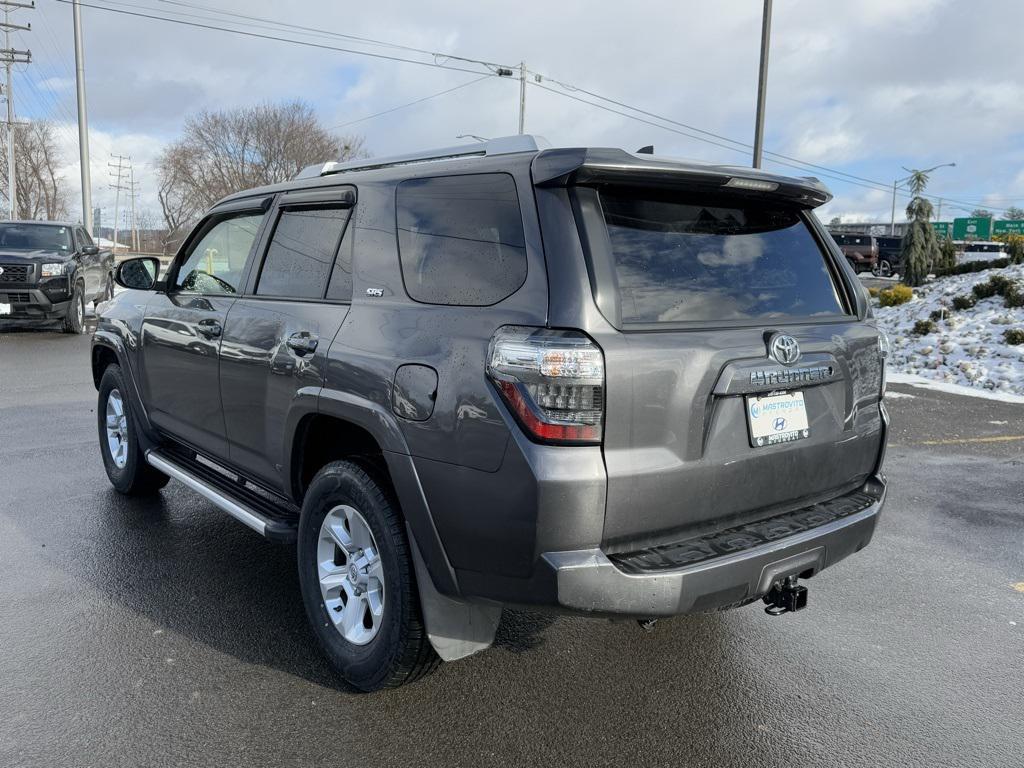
point(679, 554)
point(15, 298)
point(14, 273)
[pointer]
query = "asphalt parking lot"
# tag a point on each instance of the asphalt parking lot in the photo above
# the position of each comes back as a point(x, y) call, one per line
point(161, 633)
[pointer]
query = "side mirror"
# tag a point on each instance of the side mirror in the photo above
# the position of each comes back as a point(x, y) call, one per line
point(90, 250)
point(138, 274)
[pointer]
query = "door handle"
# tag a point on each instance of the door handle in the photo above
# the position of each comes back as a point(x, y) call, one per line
point(209, 329)
point(303, 343)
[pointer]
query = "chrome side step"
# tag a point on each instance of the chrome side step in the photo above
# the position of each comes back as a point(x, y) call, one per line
point(244, 505)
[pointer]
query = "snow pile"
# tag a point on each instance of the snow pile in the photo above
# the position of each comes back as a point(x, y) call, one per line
point(967, 346)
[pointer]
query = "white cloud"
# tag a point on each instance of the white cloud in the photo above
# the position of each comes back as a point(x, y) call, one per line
point(866, 86)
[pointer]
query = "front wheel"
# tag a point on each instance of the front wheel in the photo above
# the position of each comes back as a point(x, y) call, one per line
point(74, 320)
point(123, 459)
point(357, 580)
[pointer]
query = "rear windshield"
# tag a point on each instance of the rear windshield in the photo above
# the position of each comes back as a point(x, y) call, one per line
point(682, 261)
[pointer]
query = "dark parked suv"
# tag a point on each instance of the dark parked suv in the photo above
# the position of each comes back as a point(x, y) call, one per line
point(569, 379)
point(860, 250)
point(49, 270)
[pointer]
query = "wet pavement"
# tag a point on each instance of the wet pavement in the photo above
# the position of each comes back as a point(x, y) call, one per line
point(162, 633)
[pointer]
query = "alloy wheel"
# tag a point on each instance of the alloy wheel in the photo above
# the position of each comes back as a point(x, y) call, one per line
point(351, 574)
point(117, 429)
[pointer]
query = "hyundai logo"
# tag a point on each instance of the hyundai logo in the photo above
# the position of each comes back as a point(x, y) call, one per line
point(779, 424)
point(1, 270)
point(784, 348)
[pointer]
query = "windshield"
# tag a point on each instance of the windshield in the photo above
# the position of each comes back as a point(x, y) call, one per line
point(678, 260)
point(35, 237)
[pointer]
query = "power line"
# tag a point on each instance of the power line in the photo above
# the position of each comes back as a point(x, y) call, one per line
point(409, 104)
point(306, 43)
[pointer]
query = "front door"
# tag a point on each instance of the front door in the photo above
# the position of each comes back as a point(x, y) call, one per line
point(277, 335)
point(183, 326)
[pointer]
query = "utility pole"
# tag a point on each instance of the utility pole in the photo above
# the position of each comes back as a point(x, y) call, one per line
point(9, 56)
point(762, 82)
point(522, 97)
point(131, 191)
point(118, 186)
point(83, 124)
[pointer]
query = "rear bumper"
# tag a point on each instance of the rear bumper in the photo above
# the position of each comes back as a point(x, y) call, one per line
point(31, 304)
point(589, 581)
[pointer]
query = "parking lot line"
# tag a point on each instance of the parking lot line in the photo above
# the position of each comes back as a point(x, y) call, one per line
point(967, 440)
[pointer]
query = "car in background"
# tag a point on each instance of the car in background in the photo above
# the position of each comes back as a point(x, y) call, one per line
point(860, 250)
point(49, 270)
point(889, 257)
point(980, 250)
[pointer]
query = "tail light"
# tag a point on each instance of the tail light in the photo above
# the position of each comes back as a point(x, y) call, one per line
point(553, 382)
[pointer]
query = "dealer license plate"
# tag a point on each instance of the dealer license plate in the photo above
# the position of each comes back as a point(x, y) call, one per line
point(5, 309)
point(777, 418)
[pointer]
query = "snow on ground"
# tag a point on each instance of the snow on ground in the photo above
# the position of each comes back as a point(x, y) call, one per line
point(967, 347)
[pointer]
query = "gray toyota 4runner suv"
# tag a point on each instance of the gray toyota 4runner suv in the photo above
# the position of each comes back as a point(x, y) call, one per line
point(570, 379)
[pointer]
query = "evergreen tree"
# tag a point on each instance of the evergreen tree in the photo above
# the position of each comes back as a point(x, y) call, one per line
point(947, 254)
point(920, 249)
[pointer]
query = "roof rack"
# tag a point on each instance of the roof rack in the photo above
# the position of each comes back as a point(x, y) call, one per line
point(505, 145)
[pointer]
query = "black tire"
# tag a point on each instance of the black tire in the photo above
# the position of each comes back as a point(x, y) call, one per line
point(136, 477)
point(108, 292)
point(400, 652)
point(74, 320)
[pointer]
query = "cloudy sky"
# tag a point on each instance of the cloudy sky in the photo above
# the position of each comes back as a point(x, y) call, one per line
point(860, 87)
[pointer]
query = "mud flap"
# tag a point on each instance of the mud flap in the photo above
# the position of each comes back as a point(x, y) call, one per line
point(455, 628)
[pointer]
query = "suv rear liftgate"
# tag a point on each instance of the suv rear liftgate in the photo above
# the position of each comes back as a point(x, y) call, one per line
point(694, 276)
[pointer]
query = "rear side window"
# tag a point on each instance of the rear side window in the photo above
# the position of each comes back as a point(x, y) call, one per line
point(729, 260)
point(461, 239)
point(301, 255)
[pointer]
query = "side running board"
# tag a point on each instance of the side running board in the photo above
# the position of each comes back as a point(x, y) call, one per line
point(269, 518)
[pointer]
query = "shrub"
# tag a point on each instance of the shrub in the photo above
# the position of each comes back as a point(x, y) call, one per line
point(964, 302)
point(973, 266)
point(1014, 336)
point(923, 327)
point(938, 314)
point(1014, 296)
point(873, 292)
point(898, 294)
point(983, 290)
point(1000, 283)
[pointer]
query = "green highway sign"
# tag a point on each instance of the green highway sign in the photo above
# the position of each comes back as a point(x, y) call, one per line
point(1011, 227)
point(943, 228)
point(972, 229)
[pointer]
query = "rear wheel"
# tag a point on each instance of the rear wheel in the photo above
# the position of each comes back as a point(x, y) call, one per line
point(357, 580)
point(119, 444)
point(74, 320)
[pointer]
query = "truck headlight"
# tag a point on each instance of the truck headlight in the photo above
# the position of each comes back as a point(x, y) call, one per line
point(53, 269)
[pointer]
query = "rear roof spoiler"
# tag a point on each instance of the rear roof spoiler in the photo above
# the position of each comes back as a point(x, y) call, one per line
point(565, 167)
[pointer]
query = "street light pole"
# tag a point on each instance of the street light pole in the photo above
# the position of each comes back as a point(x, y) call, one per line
point(897, 182)
point(83, 121)
point(762, 82)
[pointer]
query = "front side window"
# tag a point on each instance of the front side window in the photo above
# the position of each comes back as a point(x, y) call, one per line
point(217, 262)
point(35, 237)
point(302, 253)
point(461, 239)
point(84, 240)
point(679, 260)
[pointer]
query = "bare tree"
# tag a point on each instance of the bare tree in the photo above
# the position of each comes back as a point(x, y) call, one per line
point(224, 152)
point(42, 191)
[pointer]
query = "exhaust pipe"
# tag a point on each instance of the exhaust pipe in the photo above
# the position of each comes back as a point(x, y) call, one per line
point(785, 597)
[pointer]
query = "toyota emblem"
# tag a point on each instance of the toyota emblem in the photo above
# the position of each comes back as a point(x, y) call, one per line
point(784, 348)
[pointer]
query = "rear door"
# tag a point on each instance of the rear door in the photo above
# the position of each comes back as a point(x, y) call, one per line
point(183, 326)
point(723, 309)
point(91, 264)
point(277, 335)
